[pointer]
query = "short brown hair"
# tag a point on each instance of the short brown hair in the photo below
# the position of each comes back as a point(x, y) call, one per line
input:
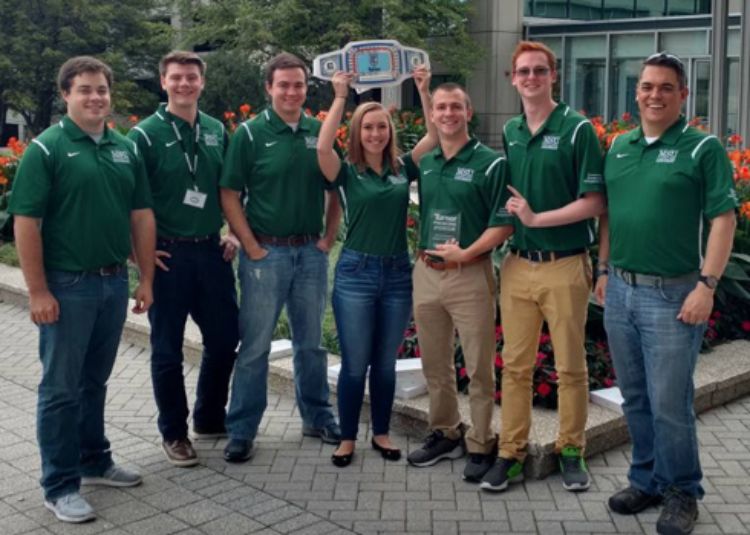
point(356, 155)
point(453, 86)
point(285, 60)
point(669, 61)
point(534, 46)
point(183, 57)
point(79, 65)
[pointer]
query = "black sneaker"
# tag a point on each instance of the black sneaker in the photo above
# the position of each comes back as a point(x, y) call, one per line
point(503, 472)
point(238, 450)
point(436, 447)
point(575, 473)
point(631, 501)
point(678, 515)
point(478, 465)
point(329, 433)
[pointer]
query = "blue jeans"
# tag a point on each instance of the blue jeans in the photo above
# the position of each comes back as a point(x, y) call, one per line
point(654, 355)
point(77, 354)
point(296, 277)
point(372, 306)
point(200, 283)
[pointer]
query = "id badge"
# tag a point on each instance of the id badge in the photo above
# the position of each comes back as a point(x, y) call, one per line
point(194, 198)
point(444, 226)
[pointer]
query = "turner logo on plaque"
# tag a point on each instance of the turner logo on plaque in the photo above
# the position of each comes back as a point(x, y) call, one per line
point(376, 63)
point(444, 226)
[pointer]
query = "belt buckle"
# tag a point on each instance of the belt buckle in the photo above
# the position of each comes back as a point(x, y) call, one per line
point(628, 276)
point(536, 256)
point(108, 271)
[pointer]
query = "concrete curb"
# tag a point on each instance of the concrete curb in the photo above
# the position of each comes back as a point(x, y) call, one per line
point(722, 375)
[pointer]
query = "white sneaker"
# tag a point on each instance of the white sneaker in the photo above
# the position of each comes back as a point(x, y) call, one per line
point(71, 508)
point(114, 476)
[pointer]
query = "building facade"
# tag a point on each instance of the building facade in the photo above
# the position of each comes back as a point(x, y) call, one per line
point(600, 45)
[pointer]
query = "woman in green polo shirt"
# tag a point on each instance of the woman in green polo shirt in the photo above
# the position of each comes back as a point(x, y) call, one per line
point(372, 287)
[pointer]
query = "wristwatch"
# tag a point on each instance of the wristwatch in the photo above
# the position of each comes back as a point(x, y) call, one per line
point(710, 281)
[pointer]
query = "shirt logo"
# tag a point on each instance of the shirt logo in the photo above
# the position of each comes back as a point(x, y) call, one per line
point(396, 180)
point(271, 143)
point(211, 140)
point(513, 143)
point(733, 195)
point(72, 154)
point(667, 156)
point(620, 155)
point(311, 142)
point(170, 143)
point(550, 142)
point(428, 172)
point(592, 178)
point(120, 156)
point(464, 174)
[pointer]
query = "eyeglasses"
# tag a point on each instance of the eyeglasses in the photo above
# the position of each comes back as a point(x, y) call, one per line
point(525, 72)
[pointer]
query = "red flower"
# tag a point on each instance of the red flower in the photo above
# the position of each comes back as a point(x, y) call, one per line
point(498, 361)
point(716, 314)
point(498, 395)
point(417, 352)
point(608, 382)
point(746, 326)
point(229, 115)
point(462, 372)
point(544, 338)
point(410, 222)
point(735, 139)
point(245, 109)
point(627, 116)
point(544, 390)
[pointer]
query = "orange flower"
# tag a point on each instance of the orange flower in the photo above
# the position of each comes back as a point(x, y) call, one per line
point(3, 180)
point(735, 156)
point(735, 139)
point(418, 120)
point(245, 109)
point(744, 172)
point(229, 115)
point(133, 119)
point(111, 125)
point(745, 210)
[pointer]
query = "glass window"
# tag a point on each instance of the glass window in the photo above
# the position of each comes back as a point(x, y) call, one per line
point(691, 43)
point(585, 9)
point(700, 89)
point(618, 9)
point(585, 72)
point(551, 8)
point(628, 53)
point(681, 7)
point(649, 8)
point(528, 8)
point(733, 43)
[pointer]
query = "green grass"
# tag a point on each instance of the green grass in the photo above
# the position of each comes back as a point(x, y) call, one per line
point(8, 254)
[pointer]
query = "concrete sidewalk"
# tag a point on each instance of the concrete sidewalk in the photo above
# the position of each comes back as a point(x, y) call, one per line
point(292, 487)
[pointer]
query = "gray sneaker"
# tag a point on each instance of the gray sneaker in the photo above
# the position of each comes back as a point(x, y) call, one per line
point(575, 473)
point(329, 433)
point(71, 508)
point(436, 447)
point(114, 476)
point(478, 465)
point(502, 473)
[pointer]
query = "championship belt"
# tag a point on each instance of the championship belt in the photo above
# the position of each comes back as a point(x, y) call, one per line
point(375, 63)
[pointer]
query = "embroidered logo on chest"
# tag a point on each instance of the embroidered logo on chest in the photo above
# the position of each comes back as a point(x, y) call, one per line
point(464, 174)
point(667, 156)
point(211, 140)
point(311, 142)
point(120, 156)
point(550, 142)
point(396, 180)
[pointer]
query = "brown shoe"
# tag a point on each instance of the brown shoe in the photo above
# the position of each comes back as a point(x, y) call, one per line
point(180, 452)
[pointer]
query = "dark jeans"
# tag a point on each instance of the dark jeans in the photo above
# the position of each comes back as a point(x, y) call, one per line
point(200, 283)
point(372, 304)
point(77, 354)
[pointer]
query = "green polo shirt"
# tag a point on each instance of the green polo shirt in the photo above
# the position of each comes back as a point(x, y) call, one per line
point(662, 195)
point(461, 195)
point(375, 208)
point(278, 169)
point(552, 168)
point(167, 144)
point(83, 192)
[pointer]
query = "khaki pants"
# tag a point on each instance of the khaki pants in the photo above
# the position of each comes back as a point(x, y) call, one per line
point(531, 292)
point(463, 298)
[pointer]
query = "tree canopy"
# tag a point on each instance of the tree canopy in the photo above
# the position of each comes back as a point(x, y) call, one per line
point(37, 36)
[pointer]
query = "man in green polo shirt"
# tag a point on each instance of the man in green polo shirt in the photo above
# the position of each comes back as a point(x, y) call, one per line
point(556, 171)
point(79, 194)
point(665, 181)
point(183, 149)
point(461, 189)
point(273, 160)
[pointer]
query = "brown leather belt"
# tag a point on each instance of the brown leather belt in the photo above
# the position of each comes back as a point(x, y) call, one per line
point(295, 240)
point(440, 265)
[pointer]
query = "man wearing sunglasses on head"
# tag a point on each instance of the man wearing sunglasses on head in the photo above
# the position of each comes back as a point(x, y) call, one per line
point(557, 188)
point(659, 287)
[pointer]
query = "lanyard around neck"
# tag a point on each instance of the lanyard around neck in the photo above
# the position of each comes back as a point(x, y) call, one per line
point(192, 163)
